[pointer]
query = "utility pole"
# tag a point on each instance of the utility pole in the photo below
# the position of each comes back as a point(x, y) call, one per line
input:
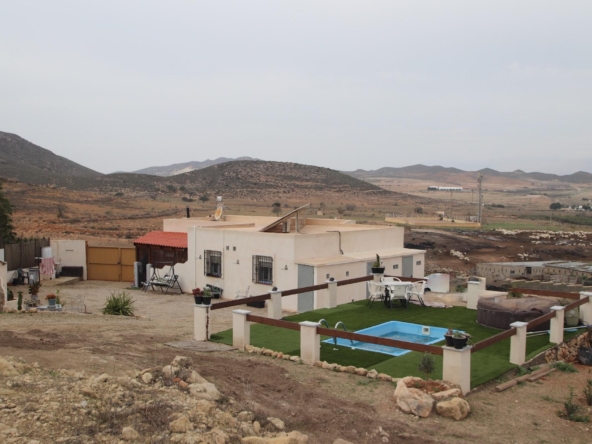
point(480, 198)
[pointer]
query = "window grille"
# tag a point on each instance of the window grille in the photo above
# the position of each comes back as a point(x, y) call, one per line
point(396, 267)
point(263, 270)
point(213, 263)
point(418, 263)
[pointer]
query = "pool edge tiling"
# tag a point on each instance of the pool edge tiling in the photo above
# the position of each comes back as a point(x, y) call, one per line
point(403, 331)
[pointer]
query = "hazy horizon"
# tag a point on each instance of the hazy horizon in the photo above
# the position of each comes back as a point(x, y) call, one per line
point(122, 86)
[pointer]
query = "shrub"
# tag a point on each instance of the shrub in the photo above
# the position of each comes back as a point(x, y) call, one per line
point(573, 412)
point(187, 199)
point(427, 364)
point(588, 392)
point(120, 304)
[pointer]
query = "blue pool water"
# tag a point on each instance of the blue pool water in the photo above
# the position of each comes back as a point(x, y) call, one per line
point(402, 331)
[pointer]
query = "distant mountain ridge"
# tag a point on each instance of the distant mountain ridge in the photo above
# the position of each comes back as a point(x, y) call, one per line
point(426, 172)
point(26, 162)
point(186, 167)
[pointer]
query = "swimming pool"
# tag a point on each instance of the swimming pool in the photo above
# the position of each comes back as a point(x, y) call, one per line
point(402, 331)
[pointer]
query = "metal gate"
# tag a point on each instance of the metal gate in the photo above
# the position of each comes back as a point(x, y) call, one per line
point(305, 279)
point(111, 263)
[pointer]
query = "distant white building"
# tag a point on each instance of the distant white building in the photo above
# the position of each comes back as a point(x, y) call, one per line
point(293, 251)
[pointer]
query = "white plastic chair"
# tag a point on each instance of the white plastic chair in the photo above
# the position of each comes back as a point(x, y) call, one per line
point(376, 293)
point(240, 294)
point(417, 290)
point(391, 279)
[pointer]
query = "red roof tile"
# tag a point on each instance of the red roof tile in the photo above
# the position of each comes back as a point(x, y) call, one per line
point(163, 239)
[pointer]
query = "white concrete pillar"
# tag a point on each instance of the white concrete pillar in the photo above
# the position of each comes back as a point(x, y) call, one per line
point(377, 277)
point(586, 309)
point(241, 329)
point(474, 290)
point(556, 336)
point(518, 343)
point(310, 342)
point(327, 298)
point(274, 305)
point(457, 367)
point(201, 315)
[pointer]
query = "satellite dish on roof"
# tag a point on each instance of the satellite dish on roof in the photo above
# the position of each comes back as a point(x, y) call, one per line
point(219, 208)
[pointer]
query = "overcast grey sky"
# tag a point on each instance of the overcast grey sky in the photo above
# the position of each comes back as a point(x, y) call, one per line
point(122, 85)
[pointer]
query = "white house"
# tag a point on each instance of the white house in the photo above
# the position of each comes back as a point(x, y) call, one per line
point(259, 253)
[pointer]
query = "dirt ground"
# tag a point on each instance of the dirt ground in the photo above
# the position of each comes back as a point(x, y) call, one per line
point(323, 404)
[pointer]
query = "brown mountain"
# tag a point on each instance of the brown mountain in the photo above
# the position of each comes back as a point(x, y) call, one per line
point(26, 162)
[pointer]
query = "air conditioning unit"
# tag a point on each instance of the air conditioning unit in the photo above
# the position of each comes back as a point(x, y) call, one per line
point(286, 226)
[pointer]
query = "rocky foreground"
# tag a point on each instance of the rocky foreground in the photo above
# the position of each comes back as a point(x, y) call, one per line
point(158, 405)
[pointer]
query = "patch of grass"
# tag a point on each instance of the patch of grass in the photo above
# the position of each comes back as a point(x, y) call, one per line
point(121, 304)
point(521, 371)
point(565, 367)
point(549, 399)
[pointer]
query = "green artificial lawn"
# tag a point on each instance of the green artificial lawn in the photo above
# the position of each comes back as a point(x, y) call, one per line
point(486, 364)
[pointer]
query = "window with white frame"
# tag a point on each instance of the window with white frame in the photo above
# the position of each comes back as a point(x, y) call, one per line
point(213, 263)
point(263, 270)
point(396, 267)
point(418, 263)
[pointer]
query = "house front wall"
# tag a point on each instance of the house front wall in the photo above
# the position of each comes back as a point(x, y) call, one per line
point(70, 253)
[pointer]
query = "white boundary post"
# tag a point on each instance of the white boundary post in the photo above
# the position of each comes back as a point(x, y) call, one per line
point(586, 309)
point(518, 343)
point(201, 322)
point(241, 329)
point(274, 305)
point(310, 342)
point(556, 336)
point(457, 367)
point(327, 298)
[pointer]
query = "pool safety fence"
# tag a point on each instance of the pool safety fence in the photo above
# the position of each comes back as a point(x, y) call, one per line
point(456, 363)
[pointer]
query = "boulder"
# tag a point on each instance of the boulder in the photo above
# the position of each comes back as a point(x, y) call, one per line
point(361, 371)
point(181, 361)
point(195, 378)
point(205, 390)
point(246, 416)
point(372, 374)
point(385, 377)
point(456, 408)
point(291, 438)
point(341, 441)
point(277, 423)
point(181, 425)
point(446, 394)
point(147, 378)
point(413, 401)
point(295, 358)
point(129, 434)
point(318, 364)
point(169, 371)
point(349, 369)
point(103, 378)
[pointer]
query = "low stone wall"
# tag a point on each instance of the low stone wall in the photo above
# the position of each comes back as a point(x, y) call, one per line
point(568, 351)
point(550, 286)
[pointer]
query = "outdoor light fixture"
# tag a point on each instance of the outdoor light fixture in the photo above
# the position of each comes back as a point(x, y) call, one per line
point(237, 262)
point(286, 267)
point(200, 256)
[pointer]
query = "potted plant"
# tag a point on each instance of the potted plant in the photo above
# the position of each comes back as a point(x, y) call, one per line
point(448, 337)
point(459, 340)
point(198, 295)
point(376, 266)
point(207, 297)
point(34, 291)
point(51, 300)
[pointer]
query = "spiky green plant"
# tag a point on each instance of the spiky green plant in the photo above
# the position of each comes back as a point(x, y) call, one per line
point(427, 364)
point(120, 304)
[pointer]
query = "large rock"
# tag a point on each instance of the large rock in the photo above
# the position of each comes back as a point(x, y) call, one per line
point(341, 441)
point(205, 390)
point(195, 378)
point(129, 434)
point(277, 423)
point(372, 374)
point(292, 438)
point(181, 425)
point(413, 401)
point(456, 408)
point(181, 362)
point(446, 394)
